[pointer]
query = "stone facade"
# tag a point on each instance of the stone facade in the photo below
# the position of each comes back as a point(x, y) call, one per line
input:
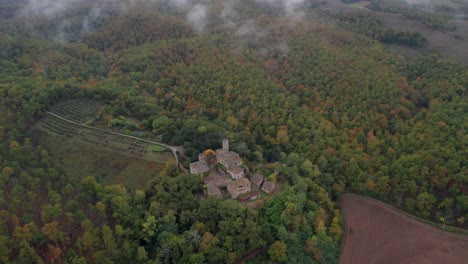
point(236, 172)
point(198, 168)
point(226, 144)
point(219, 181)
point(213, 190)
point(238, 186)
point(202, 158)
point(268, 187)
point(256, 179)
point(234, 180)
point(253, 195)
point(228, 158)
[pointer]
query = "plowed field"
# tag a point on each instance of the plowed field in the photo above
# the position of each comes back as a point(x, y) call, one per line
point(381, 235)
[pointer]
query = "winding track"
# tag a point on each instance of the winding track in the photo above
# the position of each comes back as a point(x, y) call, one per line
point(172, 148)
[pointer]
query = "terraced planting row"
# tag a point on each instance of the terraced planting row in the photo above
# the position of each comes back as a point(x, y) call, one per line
point(78, 110)
point(117, 143)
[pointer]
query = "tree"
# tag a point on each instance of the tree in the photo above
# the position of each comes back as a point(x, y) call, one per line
point(208, 242)
point(310, 169)
point(210, 157)
point(335, 228)
point(53, 233)
point(425, 202)
point(161, 124)
point(198, 258)
point(312, 248)
point(462, 203)
point(277, 252)
point(142, 255)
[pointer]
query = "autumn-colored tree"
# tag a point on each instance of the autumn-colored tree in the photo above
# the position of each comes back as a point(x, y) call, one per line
point(277, 252)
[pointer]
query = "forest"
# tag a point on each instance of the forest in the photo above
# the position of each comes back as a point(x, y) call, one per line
point(328, 107)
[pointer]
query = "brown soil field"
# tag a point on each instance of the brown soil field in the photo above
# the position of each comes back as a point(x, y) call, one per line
point(376, 233)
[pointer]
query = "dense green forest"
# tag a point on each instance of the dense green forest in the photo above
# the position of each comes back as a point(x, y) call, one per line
point(330, 109)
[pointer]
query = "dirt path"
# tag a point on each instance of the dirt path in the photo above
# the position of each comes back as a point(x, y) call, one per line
point(172, 148)
point(376, 233)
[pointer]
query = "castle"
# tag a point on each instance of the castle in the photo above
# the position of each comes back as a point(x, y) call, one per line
point(229, 159)
point(237, 185)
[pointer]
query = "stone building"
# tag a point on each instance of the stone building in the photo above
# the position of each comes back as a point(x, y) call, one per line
point(202, 157)
point(257, 180)
point(239, 186)
point(253, 195)
point(228, 158)
point(236, 172)
point(213, 190)
point(268, 187)
point(198, 168)
point(219, 181)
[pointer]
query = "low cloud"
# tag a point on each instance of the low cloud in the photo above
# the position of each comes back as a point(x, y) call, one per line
point(47, 8)
point(229, 14)
point(94, 14)
point(196, 12)
point(197, 17)
point(250, 30)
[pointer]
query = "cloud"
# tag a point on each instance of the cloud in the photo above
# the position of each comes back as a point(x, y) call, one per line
point(250, 30)
point(62, 36)
point(196, 12)
point(48, 8)
point(229, 14)
point(197, 17)
point(94, 14)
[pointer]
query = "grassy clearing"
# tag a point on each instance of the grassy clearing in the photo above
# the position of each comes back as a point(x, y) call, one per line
point(157, 148)
point(110, 158)
point(132, 120)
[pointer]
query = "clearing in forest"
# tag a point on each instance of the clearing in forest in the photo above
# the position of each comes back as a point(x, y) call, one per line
point(376, 233)
point(83, 151)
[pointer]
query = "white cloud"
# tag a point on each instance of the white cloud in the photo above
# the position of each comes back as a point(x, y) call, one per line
point(197, 17)
point(46, 8)
point(228, 14)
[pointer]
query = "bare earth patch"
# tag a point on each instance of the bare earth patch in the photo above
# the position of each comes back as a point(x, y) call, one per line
point(379, 234)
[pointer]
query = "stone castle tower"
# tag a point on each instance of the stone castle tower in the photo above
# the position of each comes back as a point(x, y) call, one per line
point(225, 144)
